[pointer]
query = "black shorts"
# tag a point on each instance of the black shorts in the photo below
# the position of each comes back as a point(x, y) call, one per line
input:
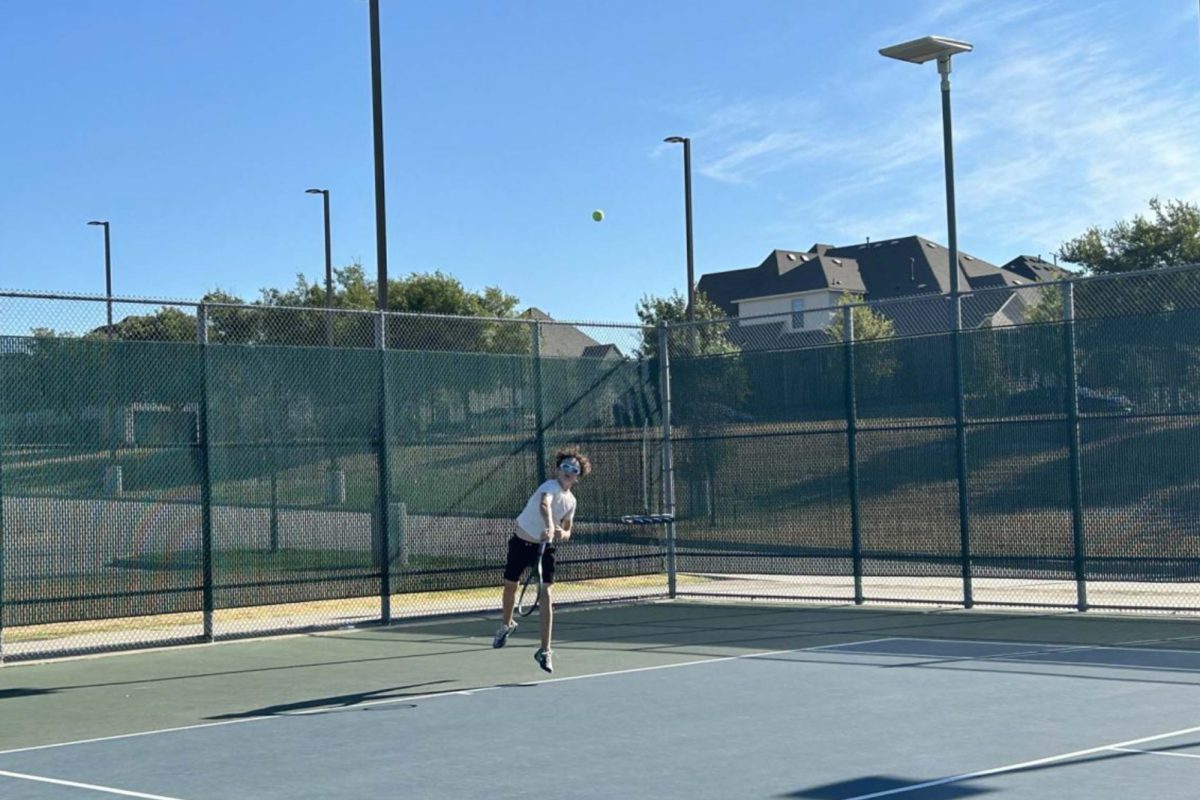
point(522, 554)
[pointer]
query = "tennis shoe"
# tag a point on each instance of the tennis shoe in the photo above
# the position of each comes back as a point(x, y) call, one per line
point(501, 637)
point(544, 659)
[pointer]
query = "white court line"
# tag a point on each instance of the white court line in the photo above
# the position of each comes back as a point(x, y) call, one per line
point(1154, 752)
point(93, 787)
point(430, 696)
point(1042, 650)
point(983, 773)
point(1058, 647)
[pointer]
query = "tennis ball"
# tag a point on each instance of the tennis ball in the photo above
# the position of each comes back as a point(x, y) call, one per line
point(597, 215)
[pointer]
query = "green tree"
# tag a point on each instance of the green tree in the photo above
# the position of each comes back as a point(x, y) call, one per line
point(868, 323)
point(1048, 307)
point(708, 339)
point(165, 325)
point(434, 293)
point(709, 387)
point(876, 361)
point(1171, 237)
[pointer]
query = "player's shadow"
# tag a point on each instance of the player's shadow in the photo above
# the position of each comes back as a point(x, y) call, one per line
point(956, 789)
point(870, 786)
point(9, 694)
point(334, 703)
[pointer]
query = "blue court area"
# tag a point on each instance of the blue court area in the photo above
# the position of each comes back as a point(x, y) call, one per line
point(663, 701)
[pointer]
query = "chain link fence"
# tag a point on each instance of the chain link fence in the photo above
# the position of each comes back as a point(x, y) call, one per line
point(190, 472)
point(1040, 456)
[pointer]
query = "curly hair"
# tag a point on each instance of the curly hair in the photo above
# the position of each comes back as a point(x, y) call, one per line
point(585, 466)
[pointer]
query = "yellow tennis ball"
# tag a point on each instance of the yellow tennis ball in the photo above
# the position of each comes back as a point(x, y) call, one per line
point(597, 215)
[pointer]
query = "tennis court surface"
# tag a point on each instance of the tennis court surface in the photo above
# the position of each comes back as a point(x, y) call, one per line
point(666, 700)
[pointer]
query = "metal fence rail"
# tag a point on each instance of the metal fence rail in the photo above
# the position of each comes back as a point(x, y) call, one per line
point(195, 472)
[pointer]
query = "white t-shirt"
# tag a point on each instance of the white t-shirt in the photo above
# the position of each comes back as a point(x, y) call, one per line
point(530, 524)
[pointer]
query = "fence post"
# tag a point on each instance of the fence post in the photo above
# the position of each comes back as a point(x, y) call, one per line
point(645, 471)
point(960, 439)
point(2, 604)
point(1077, 531)
point(204, 443)
point(382, 528)
point(668, 465)
point(538, 411)
point(400, 547)
point(852, 452)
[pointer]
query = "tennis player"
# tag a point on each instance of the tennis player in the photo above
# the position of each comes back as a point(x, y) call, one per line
point(547, 517)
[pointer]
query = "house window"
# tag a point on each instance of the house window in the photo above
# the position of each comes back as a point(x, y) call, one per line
point(797, 314)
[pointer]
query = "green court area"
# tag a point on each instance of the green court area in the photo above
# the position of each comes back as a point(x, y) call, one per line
point(117, 694)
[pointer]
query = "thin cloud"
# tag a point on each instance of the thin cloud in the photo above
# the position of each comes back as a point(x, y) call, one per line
point(1050, 140)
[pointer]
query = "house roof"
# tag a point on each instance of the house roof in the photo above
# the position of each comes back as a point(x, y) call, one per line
point(1035, 268)
point(910, 265)
point(567, 341)
point(601, 351)
point(783, 272)
point(916, 265)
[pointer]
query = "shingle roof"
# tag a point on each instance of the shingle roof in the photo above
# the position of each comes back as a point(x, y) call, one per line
point(783, 272)
point(567, 341)
point(601, 351)
point(903, 267)
point(1035, 268)
point(915, 265)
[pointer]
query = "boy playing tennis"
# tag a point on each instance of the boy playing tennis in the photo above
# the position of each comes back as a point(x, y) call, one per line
point(547, 517)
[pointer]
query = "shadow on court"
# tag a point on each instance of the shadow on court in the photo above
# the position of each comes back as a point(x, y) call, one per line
point(8, 694)
point(336, 702)
point(887, 783)
point(915, 789)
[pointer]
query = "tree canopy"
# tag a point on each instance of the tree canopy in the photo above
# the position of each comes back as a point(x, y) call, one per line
point(295, 316)
point(1169, 237)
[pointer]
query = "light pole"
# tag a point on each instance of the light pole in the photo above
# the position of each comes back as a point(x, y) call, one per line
point(919, 51)
point(382, 529)
point(377, 120)
point(113, 474)
point(328, 248)
point(942, 49)
point(687, 207)
point(107, 269)
point(335, 478)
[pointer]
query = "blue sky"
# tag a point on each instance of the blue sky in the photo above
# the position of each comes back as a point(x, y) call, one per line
point(195, 126)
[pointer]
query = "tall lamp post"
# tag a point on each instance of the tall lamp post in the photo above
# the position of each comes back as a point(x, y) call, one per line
point(687, 207)
point(382, 529)
point(335, 478)
point(113, 474)
point(380, 193)
point(328, 250)
point(941, 49)
point(107, 268)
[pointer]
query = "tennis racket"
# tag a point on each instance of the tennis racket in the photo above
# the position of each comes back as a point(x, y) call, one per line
point(531, 586)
